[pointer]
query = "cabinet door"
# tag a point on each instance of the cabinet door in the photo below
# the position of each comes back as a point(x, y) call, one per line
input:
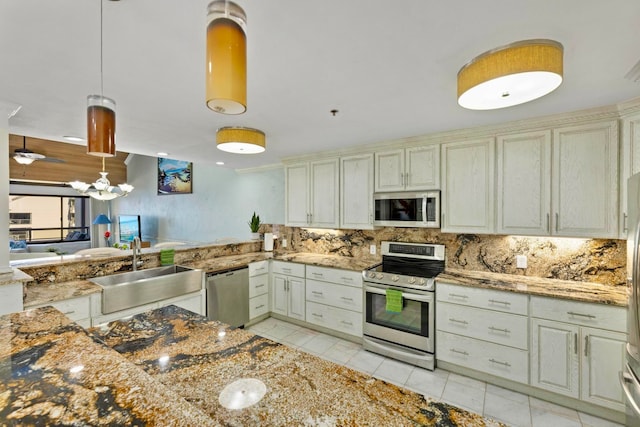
point(467, 187)
point(389, 170)
point(423, 168)
point(296, 298)
point(279, 289)
point(585, 184)
point(297, 195)
point(629, 164)
point(356, 192)
point(324, 208)
point(194, 302)
point(554, 357)
point(524, 183)
point(603, 357)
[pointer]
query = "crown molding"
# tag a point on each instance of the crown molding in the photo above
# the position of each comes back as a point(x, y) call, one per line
point(264, 168)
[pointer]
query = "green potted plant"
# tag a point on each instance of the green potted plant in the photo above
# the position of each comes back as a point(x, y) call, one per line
point(254, 225)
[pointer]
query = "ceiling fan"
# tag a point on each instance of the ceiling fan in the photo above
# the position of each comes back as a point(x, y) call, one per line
point(26, 157)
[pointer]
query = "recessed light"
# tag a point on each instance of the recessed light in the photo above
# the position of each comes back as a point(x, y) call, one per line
point(219, 163)
point(163, 154)
point(73, 138)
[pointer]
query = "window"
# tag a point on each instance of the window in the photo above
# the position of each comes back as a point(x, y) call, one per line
point(40, 219)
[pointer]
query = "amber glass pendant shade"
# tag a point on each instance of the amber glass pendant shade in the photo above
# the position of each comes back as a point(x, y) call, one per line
point(226, 74)
point(101, 126)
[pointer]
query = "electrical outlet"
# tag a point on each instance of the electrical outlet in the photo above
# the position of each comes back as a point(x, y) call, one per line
point(284, 243)
point(521, 261)
point(372, 249)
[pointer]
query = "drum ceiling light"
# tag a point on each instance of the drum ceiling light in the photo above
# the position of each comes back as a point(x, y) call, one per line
point(240, 140)
point(510, 75)
point(226, 73)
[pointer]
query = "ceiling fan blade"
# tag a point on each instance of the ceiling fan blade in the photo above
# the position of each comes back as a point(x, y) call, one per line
point(52, 160)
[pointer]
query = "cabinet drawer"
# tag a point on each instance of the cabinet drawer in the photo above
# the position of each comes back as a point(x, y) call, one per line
point(344, 297)
point(288, 268)
point(258, 285)
point(258, 267)
point(494, 359)
point(493, 326)
point(334, 318)
point(258, 306)
point(74, 309)
point(334, 275)
point(580, 313)
point(507, 302)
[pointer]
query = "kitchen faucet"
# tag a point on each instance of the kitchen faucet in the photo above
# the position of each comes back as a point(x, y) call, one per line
point(136, 246)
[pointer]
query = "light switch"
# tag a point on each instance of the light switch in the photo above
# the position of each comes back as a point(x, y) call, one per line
point(521, 261)
point(372, 249)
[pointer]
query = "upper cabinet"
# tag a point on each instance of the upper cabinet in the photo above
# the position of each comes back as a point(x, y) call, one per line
point(408, 169)
point(523, 197)
point(468, 186)
point(629, 163)
point(584, 188)
point(312, 194)
point(565, 188)
point(356, 192)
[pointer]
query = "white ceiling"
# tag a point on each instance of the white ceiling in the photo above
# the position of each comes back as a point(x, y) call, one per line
point(389, 67)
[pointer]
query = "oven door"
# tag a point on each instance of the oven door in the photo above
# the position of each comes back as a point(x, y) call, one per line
point(412, 327)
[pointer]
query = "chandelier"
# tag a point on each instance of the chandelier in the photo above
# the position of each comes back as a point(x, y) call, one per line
point(102, 188)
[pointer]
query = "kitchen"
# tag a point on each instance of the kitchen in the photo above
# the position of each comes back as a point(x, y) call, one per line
point(266, 191)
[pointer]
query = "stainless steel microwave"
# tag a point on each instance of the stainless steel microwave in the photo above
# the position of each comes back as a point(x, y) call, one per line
point(421, 209)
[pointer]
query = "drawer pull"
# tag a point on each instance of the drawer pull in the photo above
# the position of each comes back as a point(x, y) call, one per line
point(495, 301)
point(316, 293)
point(69, 312)
point(260, 306)
point(507, 364)
point(347, 278)
point(453, 350)
point(463, 322)
point(573, 313)
point(317, 315)
point(346, 298)
point(259, 286)
point(318, 274)
point(286, 270)
point(494, 329)
point(346, 323)
point(458, 296)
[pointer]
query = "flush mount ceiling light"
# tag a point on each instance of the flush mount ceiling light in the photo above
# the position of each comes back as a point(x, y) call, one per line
point(240, 140)
point(102, 188)
point(510, 75)
point(226, 74)
point(101, 118)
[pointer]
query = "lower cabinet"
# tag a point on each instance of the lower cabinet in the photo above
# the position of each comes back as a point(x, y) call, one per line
point(581, 355)
point(288, 288)
point(258, 289)
point(77, 309)
point(195, 302)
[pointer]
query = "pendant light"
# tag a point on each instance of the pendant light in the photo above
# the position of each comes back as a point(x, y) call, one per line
point(102, 188)
point(510, 75)
point(101, 117)
point(240, 140)
point(226, 73)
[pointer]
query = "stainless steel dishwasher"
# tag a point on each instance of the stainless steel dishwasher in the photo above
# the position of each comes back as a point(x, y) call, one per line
point(228, 296)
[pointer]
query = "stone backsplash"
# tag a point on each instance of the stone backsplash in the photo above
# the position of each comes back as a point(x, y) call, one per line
point(588, 260)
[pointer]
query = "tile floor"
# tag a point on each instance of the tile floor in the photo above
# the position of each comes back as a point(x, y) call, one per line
point(514, 409)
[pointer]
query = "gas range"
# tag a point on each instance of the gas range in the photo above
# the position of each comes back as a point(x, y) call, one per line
point(407, 265)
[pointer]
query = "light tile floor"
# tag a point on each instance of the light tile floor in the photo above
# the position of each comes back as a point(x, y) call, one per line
point(513, 409)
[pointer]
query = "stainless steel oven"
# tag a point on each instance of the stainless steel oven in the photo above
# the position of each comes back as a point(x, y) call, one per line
point(406, 332)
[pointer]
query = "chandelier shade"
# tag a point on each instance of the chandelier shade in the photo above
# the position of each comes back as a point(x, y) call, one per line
point(510, 75)
point(240, 140)
point(226, 58)
point(101, 126)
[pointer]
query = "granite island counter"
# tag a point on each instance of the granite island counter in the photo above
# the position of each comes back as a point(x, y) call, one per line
point(172, 367)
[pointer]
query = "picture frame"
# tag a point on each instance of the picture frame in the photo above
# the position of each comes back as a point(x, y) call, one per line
point(174, 176)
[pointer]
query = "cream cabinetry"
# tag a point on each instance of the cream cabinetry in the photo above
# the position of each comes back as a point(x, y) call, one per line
point(77, 309)
point(578, 350)
point(312, 194)
point(484, 330)
point(356, 192)
point(468, 186)
point(334, 299)
point(408, 169)
point(195, 302)
point(258, 289)
point(288, 289)
point(585, 204)
point(629, 163)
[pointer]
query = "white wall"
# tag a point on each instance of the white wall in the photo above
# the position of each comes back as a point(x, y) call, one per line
point(220, 206)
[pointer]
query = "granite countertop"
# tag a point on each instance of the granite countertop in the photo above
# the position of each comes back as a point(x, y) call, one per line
point(16, 276)
point(334, 261)
point(228, 262)
point(39, 294)
point(219, 370)
point(566, 289)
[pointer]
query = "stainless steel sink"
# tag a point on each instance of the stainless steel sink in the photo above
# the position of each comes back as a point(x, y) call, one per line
point(127, 290)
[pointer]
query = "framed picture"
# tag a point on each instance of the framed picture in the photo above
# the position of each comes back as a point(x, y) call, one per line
point(174, 176)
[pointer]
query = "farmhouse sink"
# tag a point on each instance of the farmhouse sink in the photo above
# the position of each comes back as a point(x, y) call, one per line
point(127, 290)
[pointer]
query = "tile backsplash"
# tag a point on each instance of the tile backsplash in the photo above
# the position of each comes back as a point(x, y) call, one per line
point(589, 260)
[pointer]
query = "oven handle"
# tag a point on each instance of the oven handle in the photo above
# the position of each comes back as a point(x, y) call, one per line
point(412, 297)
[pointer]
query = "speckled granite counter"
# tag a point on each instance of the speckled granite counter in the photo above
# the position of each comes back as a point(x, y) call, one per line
point(567, 289)
point(16, 276)
point(38, 294)
point(52, 372)
point(334, 261)
point(203, 362)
